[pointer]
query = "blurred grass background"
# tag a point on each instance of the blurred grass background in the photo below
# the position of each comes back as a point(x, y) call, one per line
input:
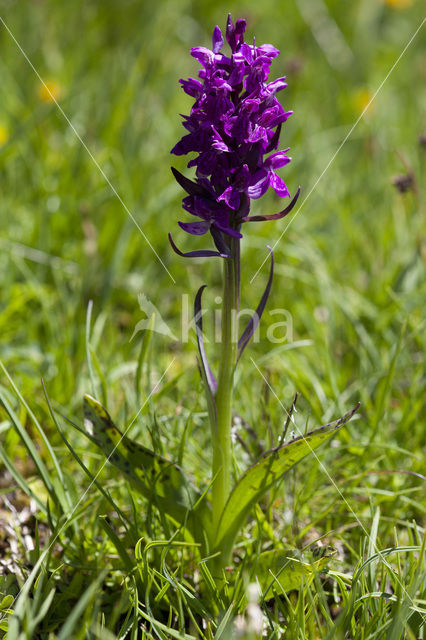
point(350, 267)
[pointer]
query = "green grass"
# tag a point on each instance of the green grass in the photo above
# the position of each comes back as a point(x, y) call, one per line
point(92, 559)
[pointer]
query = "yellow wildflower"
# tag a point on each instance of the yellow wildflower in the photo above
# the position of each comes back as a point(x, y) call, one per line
point(4, 135)
point(49, 91)
point(361, 99)
point(399, 4)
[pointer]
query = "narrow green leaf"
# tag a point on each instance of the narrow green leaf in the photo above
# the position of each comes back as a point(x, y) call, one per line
point(281, 570)
point(263, 474)
point(19, 479)
point(155, 477)
point(385, 386)
point(44, 607)
point(88, 354)
point(159, 627)
point(26, 439)
point(6, 603)
point(30, 446)
point(67, 630)
point(224, 627)
point(121, 550)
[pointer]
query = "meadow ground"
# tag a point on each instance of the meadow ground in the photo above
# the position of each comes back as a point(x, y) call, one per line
point(86, 194)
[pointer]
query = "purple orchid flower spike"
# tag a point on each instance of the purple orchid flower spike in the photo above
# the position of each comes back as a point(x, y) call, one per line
point(233, 126)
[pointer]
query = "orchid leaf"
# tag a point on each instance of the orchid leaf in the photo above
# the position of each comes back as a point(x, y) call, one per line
point(264, 474)
point(156, 478)
point(279, 571)
point(206, 371)
point(253, 323)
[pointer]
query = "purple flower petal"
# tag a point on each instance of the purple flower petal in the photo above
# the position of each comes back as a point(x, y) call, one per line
point(269, 50)
point(273, 116)
point(203, 55)
point(242, 178)
point(217, 40)
point(231, 196)
point(198, 206)
point(230, 30)
point(277, 160)
point(219, 145)
point(218, 142)
point(240, 28)
point(227, 229)
point(276, 85)
point(259, 185)
point(237, 73)
point(192, 87)
point(235, 34)
point(195, 228)
point(247, 53)
point(258, 133)
point(279, 186)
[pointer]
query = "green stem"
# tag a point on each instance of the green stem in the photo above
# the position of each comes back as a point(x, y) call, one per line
point(221, 429)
